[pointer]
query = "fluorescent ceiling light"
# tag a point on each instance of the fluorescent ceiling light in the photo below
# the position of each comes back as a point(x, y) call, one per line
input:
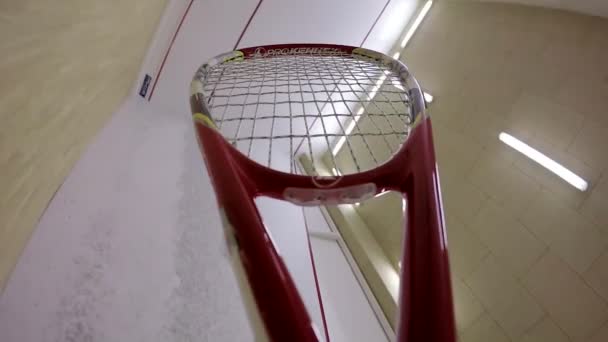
point(543, 160)
point(417, 21)
point(373, 93)
point(382, 194)
point(348, 131)
point(423, 12)
point(342, 139)
point(428, 97)
point(353, 122)
point(398, 85)
point(374, 90)
point(379, 83)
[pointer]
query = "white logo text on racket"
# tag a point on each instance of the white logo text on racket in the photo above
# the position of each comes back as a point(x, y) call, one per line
point(262, 52)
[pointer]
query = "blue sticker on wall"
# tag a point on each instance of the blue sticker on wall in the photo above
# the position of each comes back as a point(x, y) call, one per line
point(144, 87)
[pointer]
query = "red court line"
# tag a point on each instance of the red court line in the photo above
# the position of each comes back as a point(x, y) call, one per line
point(375, 22)
point(162, 65)
point(247, 25)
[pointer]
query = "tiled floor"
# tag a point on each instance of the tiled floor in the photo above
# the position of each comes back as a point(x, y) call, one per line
point(529, 252)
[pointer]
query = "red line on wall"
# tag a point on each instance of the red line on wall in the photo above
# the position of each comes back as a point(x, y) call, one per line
point(162, 65)
point(314, 271)
point(375, 22)
point(238, 41)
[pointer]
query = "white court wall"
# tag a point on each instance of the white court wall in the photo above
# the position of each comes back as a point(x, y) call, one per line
point(315, 21)
point(131, 247)
point(210, 27)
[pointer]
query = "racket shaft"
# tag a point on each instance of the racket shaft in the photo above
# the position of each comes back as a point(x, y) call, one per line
point(277, 300)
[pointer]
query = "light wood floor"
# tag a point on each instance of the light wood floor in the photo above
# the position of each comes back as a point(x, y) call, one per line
point(65, 67)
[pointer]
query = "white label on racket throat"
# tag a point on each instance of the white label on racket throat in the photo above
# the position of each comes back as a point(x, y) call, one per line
point(263, 52)
point(346, 195)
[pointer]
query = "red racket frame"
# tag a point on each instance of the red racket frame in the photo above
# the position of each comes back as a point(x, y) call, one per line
point(425, 301)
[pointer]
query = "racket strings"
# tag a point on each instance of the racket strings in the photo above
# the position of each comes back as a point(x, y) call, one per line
point(342, 112)
point(370, 115)
point(355, 122)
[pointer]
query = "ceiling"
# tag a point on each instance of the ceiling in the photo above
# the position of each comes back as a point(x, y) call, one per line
point(519, 237)
point(591, 7)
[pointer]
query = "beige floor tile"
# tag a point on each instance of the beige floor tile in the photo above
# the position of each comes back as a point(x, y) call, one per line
point(596, 206)
point(484, 330)
point(533, 115)
point(572, 236)
point(498, 98)
point(586, 88)
point(466, 250)
point(597, 275)
point(504, 298)
point(512, 244)
point(566, 29)
point(544, 78)
point(461, 198)
point(435, 73)
point(601, 335)
point(545, 331)
point(573, 305)
point(499, 179)
point(456, 153)
point(522, 314)
point(484, 127)
point(448, 110)
point(494, 98)
point(493, 286)
point(466, 307)
point(590, 143)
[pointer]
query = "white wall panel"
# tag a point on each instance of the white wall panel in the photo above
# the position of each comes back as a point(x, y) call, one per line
point(285, 222)
point(316, 21)
point(349, 312)
point(161, 42)
point(211, 27)
point(131, 248)
point(349, 315)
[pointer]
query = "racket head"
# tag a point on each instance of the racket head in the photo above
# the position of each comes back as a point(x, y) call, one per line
point(425, 303)
point(295, 112)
